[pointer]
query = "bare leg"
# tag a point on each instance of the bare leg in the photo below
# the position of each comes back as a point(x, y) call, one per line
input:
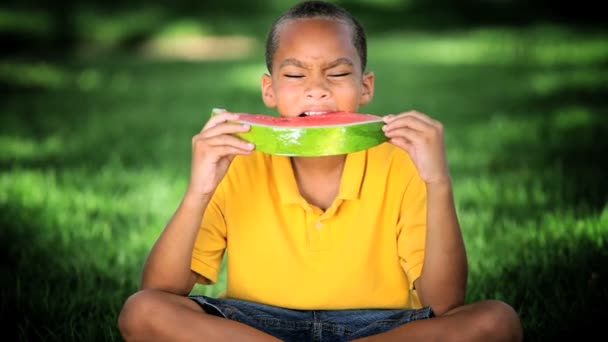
point(482, 321)
point(152, 315)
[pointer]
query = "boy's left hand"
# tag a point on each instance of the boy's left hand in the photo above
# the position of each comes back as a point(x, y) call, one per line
point(421, 137)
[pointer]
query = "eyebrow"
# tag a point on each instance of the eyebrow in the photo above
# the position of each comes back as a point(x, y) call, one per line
point(300, 64)
point(339, 61)
point(292, 61)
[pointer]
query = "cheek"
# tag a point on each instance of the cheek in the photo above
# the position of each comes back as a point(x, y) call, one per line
point(286, 93)
point(347, 94)
point(286, 89)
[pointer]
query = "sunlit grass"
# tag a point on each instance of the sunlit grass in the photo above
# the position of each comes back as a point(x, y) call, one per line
point(181, 27)
point(247, 77)
point(107, 28)
point(200, 47)
point(534, 46)
point(83, 241)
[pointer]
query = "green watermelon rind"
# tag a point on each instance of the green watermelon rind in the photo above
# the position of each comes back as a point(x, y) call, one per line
point(315, 141)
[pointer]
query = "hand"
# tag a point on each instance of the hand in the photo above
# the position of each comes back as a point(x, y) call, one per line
point(213, 149)
point(422, 138)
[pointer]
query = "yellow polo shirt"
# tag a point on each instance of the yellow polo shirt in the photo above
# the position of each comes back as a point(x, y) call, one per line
point(364, 251)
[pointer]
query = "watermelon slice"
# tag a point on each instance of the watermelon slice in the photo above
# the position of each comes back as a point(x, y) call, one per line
point(314, 135)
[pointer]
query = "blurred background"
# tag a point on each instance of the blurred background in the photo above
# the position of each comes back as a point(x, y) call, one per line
point(100, 100)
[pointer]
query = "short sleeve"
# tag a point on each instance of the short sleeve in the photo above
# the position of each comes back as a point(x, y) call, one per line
point(210, 242)
point(411, 228)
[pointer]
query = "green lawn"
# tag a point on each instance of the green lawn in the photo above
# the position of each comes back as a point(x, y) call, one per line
point(94, 158)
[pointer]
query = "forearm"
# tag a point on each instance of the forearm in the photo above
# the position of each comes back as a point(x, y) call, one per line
point(168, 264)
point(443, 280)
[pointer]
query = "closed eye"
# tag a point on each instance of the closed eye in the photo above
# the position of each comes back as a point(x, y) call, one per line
point(340, 74)
point(293, 76)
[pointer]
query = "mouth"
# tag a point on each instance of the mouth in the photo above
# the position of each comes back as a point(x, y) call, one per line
point(312, 113)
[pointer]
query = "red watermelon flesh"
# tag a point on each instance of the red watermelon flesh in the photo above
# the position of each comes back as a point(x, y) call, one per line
point(320, 120)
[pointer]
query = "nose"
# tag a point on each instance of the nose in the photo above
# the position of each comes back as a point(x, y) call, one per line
point(317, 89)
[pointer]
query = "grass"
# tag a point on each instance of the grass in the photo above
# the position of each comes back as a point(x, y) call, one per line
point(94, 158)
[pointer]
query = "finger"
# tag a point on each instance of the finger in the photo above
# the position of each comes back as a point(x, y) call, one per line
point(219, 118)
point(225, 128)
point(204, 143)
point(405, 133)
point(229, 140)
point(389, 117)
point(231, 151)
point(392, 117)
point(407, 120)
point(420, 116)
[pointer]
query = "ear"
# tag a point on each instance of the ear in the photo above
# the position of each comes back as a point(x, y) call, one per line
point(367, 90)
point(267, 91)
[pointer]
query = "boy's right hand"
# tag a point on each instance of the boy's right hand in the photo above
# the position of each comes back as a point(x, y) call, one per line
point(213, 149)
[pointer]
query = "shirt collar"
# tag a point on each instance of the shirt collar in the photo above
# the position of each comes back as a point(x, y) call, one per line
point(352, 176)
point(350, 184)
point(285, 180)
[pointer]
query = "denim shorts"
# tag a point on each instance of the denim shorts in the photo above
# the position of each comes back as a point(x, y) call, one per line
point(311, 325)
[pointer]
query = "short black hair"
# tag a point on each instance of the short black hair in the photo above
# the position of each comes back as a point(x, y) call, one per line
point(317, 9)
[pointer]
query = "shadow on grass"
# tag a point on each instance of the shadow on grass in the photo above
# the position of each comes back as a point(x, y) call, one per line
point(572, 149)
point(560, 288)
point(593, 97)
point(51, 292)
point(579, 149)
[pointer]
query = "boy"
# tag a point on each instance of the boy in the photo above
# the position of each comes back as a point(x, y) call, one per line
point(365, 246)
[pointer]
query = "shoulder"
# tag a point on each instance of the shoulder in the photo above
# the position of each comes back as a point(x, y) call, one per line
point(256, 161)
point(389, 156)
point(391, 167)
point(244, 176)
point(246, 171)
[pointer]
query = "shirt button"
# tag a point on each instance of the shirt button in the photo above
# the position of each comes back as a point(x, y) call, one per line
point(318, 225)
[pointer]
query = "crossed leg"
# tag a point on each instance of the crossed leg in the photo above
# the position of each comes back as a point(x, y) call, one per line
point(153, 315)
point(486, 321)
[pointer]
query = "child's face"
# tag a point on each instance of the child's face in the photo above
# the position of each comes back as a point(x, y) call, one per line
point(316, 68)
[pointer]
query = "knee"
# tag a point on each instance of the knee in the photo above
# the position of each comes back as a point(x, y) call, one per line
point(501, 321)
point(136, 315)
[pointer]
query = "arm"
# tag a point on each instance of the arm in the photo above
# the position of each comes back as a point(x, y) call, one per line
point(445, 259)
point(168, 264)
point(442, 283)
point(167, 267)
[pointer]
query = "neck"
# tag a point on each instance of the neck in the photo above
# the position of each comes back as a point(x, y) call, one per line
point(318, 178)
point(318, 166)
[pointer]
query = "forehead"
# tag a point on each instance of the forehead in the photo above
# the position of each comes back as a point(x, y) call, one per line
point(315, 37)
point(312, 25)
